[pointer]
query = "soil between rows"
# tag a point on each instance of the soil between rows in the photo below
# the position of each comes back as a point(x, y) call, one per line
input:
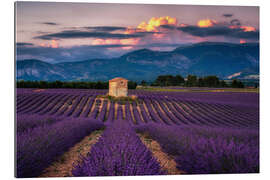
point(64, 165)
point(166, 162)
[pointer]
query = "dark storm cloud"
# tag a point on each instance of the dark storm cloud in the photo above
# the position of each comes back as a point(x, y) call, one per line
point(85, 34)
point(50, 23)
point(24, 44)
point(106, 28)
point(254, 35)
point(227, 15)
point(170, 27)
point(235, 22)
point(42, 32)
point(204, 32)
point(220, 31)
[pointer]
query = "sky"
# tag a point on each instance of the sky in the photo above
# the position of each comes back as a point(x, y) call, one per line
point(60, 32)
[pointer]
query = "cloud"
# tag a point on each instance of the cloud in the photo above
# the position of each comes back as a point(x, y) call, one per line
point(52, 44)
point(242, 41)
point(70, 34)
point(227, 15)
point(170, 27)
point(24, 44)
point(106, 28)
point(29, 56)
point(42, 32)
point(84, 52)
point(162, 45)
point(236, 32)
point(110, 45)
point(50, 23)
point(160, 33)
point(204, 32)
point(253, 35)
point(68, 54)
point(235, 22)
point(206, 23)
point(155, 22)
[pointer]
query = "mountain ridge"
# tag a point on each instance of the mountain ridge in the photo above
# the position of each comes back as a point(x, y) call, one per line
point(207, 58)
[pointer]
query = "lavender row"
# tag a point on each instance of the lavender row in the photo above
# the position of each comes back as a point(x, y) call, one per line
point(206, 150)
point(241, 99)
point(119, 152)
point(170, 110)
point(39, 147)
point(21, 91)
point(232, 98)
point(27, 122)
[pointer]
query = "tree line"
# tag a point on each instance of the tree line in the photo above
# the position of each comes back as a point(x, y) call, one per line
point(193, 81)
point(72, 84)
point(162, 80)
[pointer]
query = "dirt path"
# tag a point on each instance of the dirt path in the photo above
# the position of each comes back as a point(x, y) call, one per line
point(166, 162)
point(63, 166)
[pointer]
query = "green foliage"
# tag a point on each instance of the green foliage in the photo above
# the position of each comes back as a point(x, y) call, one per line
point(201, 82)
point(120, 100)
point(194, 81)
point(72, 84)
point(223, 84)
point(169, 80)
point(60, 84)
point(191, 81)
point(143, 83)
point(211, 81)
point(132, 85)
point(237, 84)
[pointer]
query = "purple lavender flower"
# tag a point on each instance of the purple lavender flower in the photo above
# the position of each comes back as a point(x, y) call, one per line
point(119, 152)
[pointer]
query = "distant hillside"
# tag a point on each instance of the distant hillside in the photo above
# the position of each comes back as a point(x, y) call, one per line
point(202, 59)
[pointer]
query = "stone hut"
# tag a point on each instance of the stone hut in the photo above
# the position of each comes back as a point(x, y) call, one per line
point(118, 87)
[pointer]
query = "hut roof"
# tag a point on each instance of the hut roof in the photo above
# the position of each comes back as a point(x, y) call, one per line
point(118, 79)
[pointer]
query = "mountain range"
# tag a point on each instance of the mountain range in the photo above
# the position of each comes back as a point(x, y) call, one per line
point(225, 60)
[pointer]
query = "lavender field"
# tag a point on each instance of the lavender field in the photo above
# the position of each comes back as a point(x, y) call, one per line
point(203, 132)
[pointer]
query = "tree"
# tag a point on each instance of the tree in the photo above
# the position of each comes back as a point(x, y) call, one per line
point(223, 84)
point(143, 83)
point(99, 85)
point(191, 81)
point(211, 81)
point(201, 82)
point(132, 85)
point(179, 80)
point(165, 80)
point(169, 80)
point(237, 84)
point(43, 84)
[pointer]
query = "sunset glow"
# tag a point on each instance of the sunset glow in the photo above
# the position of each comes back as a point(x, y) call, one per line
point(54, 44)
point(244, 28)
point(206, 23)
point(248, 28)
point(132, 41)
point(51, 44)
point(183, 25)
point(105, 30)
point(156, 22)
point(242, 41)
